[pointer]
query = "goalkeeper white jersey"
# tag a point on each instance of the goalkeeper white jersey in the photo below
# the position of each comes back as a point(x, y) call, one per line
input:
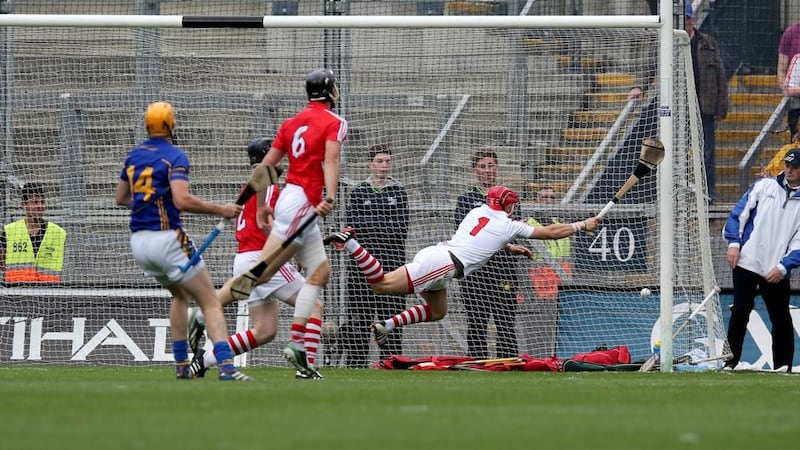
point(482, 233)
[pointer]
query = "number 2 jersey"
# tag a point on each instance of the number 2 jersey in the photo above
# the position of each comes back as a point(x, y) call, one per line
point(148, 169)
point(302, 138)
point(481, 234)
point(250, 237)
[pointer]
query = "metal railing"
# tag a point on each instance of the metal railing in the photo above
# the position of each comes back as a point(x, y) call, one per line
point(757, 146)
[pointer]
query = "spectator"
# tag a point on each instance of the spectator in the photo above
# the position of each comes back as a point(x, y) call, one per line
point(491, 292)
point(776, 164)
point(378, 209)
point(32, 249)
point(711, 86)
point(763, 249)
point(552, 256)
point(789, 47)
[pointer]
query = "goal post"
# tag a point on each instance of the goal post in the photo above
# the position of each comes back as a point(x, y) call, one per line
point(540, 92)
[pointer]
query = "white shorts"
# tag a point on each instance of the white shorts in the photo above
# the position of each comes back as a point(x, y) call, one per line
point(286, 282)
point(431, 269)
point(291, 210)
point(162, 253)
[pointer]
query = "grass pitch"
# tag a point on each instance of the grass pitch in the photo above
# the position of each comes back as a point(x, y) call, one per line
point(47, 407)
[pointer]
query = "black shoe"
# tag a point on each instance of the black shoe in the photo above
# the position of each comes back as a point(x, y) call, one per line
point(313, 375)
point(197, 368)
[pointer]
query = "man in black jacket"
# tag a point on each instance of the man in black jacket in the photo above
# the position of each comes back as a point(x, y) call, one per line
point(378, 210)
point(489, 292)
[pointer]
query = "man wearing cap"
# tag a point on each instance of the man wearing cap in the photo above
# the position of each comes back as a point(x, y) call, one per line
point(763, 234)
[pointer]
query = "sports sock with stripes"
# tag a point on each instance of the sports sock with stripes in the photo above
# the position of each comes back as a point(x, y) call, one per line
point(415, 314)
point(298, 336)
point(370, 267)
point(242, 342)
point(313, 330)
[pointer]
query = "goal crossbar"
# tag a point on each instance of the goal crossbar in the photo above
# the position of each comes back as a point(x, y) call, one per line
point(173, 21)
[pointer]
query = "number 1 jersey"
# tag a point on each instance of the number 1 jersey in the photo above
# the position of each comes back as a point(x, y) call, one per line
point(482, 233)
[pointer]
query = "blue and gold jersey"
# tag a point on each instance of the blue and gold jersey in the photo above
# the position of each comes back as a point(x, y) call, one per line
point(149, 168)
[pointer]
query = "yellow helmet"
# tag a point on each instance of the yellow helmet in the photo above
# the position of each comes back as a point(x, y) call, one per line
point(159, 119)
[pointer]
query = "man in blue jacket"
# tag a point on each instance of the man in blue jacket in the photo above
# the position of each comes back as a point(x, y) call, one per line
point(763, 234)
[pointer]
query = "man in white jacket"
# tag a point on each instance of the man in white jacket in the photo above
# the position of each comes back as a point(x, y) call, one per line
point(763, 248)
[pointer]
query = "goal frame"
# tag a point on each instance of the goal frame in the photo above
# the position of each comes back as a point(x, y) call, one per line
point(664, 22)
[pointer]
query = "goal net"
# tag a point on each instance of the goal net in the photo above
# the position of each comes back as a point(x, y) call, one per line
point(551, 104)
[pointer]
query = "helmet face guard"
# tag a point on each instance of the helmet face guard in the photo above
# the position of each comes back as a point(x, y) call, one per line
point(257, 149)
point(501, 198)
point(322, 85)
point(159, 120)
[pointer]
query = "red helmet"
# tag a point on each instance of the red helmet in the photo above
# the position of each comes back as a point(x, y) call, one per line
point(500, 197)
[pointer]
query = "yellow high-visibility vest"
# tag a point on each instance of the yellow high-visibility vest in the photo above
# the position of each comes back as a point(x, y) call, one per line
point(558, 248)
point(22, 265)
point(545, 279)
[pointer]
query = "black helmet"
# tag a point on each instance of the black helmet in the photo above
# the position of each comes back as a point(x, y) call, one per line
point(321, 85)
point(257, 148)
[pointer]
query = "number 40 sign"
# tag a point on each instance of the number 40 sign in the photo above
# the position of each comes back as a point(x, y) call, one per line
point(618, 244)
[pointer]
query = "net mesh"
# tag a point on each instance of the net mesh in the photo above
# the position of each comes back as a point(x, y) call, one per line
point(544, 101)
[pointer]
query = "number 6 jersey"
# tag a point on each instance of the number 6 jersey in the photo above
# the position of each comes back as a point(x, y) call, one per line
point(303, 138)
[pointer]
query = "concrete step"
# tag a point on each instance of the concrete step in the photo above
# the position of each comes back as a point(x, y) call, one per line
point(571, 152)
point(563, 169)
point(747, 117)
point(585, 62)
point(615, 80)
point(754, 99)
point(558, 186)
point(727, 172)
point(596, 117)
point(733, 153)
point(765, 81)
point(607, 100)
point(584, 134)
point(727, 136)
point(729, 192)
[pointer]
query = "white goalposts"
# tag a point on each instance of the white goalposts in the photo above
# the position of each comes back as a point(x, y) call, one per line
point(542, 92)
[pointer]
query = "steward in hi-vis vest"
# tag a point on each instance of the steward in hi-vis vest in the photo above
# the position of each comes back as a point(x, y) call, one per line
point(32, 249)
point(554, 267)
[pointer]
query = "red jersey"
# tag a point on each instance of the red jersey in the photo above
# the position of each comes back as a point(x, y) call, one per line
point(302, 138)
point(250, 237)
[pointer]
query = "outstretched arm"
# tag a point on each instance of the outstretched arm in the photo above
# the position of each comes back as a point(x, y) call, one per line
point(186, 201)
point(562, 230)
